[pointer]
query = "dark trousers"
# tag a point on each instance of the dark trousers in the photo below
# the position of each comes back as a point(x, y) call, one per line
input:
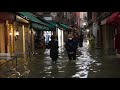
point(54, 59)
point(81, 44)
point(72, 56)
point(54, 54)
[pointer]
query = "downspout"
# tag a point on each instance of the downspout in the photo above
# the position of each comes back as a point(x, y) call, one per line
point(31, 37)
point(14, 45)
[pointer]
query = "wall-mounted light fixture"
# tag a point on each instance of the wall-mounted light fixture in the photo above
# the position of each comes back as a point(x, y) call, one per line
point(16, 35)
point(33, 31)
point(10, 33)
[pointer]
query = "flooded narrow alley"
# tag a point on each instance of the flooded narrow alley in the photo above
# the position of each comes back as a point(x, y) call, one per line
point(89, 64)
point(42, 44)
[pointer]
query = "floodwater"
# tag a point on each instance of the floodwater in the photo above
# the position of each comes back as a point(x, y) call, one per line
point(94, 63)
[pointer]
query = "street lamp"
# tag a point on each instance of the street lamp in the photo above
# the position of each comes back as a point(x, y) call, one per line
point(84, 23)
point(87, 30)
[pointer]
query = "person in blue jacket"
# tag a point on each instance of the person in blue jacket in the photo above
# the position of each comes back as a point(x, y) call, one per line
point(71, 47)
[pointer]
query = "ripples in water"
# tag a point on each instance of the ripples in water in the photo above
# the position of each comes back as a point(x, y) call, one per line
point(45, 68)
point(84, 62)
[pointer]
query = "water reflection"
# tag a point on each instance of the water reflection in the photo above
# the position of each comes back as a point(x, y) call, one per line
point(84, 62)
point(42, 66)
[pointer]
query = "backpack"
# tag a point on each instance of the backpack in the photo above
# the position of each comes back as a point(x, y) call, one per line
point(53, 45)
point(70, 46)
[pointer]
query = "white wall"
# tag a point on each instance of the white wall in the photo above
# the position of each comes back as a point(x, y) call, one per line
point(82, 15)
point(60, 38)
point(95, 28)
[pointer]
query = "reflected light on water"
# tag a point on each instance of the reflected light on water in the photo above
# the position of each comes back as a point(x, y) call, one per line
point(45, 68)
point(84, 61)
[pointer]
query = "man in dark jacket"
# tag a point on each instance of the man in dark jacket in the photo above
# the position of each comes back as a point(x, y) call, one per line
point(71, 47)
point(54, 48)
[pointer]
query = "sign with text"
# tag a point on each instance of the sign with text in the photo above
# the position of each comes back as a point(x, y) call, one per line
point(48, 18)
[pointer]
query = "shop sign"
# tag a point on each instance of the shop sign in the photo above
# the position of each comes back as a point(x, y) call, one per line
point(48, 18)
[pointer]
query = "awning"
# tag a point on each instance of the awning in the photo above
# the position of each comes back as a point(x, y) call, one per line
point(39, 27)
point(30, 17)
point(35, 22)
point(64, 26)
point(44, 25)
point(114, 19)
point(54, 23)
point(49, 24)
point(60, 25)
point(20, 19)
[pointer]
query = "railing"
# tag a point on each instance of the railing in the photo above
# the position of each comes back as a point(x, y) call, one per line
point(12, 58)
point(8, 58)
